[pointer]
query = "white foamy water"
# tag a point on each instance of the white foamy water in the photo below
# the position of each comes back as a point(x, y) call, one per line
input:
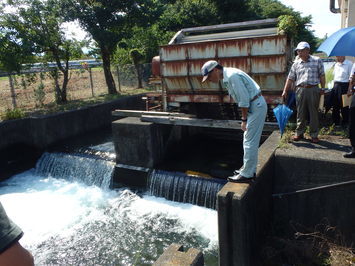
point(72, 223)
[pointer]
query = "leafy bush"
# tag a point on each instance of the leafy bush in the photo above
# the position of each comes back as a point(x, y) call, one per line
point(288, 24)
point(13, 114)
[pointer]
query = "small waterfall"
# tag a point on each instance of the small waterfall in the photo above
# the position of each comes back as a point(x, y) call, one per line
point(180, 187)
point(76, 167)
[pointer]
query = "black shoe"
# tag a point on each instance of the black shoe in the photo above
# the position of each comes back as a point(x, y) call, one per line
point(349, 155)
point(240, 179)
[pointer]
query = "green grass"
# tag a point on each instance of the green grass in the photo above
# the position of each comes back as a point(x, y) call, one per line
point(333, 131)
point(286, 138)
point(326, 130)
point(13, 114)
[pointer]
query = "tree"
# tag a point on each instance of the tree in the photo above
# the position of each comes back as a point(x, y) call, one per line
point(37, 24)
point(229, 11)
point(108, 22)
point(137, 59)
point(188, 13)
point(12, 57)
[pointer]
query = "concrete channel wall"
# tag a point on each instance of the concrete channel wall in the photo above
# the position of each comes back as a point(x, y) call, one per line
point(23, 140)
point(245, 211)
point(314, 188)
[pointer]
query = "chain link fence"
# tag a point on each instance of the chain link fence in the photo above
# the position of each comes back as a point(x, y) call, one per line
point(33, 90)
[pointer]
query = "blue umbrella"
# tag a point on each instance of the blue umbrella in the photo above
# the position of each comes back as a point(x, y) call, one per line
point(340, 43)
point(282, 114)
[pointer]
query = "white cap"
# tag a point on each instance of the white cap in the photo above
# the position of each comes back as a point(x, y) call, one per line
point(302, 45)
point(207, 68)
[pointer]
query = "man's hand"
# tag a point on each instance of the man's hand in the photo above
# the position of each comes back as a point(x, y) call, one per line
point(244, 126)
point(284, 95)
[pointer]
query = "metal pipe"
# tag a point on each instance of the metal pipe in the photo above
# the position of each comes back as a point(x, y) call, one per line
point(279, 195)
point(262, 22)
point(332, 7)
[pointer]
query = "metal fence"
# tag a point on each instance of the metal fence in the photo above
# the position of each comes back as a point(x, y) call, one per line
point(33, 89)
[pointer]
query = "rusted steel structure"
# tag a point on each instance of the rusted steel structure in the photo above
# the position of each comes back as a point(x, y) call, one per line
point(258, 49)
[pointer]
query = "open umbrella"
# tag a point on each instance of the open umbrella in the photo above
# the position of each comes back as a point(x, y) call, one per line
point(282, 114)
point(340, 43)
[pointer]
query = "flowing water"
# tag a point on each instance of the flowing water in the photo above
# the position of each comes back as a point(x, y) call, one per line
point(71, 217)
point(181, 187)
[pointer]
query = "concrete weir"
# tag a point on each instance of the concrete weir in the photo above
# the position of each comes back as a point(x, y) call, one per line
point(292, 186)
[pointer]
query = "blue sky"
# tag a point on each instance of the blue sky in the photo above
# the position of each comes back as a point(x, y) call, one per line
point(324, 21)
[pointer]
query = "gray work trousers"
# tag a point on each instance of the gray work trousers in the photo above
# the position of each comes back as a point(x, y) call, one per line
point(307, 102)
point(251, 139)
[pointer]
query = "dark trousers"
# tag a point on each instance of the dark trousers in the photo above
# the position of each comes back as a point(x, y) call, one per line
point(339, 89)
point(352, 126)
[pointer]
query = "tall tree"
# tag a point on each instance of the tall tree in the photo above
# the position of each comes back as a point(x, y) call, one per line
point(13, 56)
point(230, 11)
point(37, 24)
point(108, 22)
point(188, 13)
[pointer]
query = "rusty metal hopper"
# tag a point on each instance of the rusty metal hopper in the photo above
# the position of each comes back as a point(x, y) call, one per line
point(263, 53)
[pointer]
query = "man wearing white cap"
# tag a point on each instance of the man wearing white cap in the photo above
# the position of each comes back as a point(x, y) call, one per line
point(306, 73)
point(246, 93)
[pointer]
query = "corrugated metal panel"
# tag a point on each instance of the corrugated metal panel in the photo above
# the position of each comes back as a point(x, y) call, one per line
point(189, 84)
point(202, 50)
point(269, 46)
point(274, 82)
point(252, 65)
point(269, 82)
point(175, 69)
point(233, 48)
point(274, 45)
point(242, 63)
point(174, 52)
point(268, 64)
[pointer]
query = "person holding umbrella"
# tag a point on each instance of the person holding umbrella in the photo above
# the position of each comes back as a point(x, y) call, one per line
point(246, 93)
point(306, 73)
point(351, 94)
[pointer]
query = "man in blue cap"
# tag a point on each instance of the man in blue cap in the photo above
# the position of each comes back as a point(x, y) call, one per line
point(247, 94)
